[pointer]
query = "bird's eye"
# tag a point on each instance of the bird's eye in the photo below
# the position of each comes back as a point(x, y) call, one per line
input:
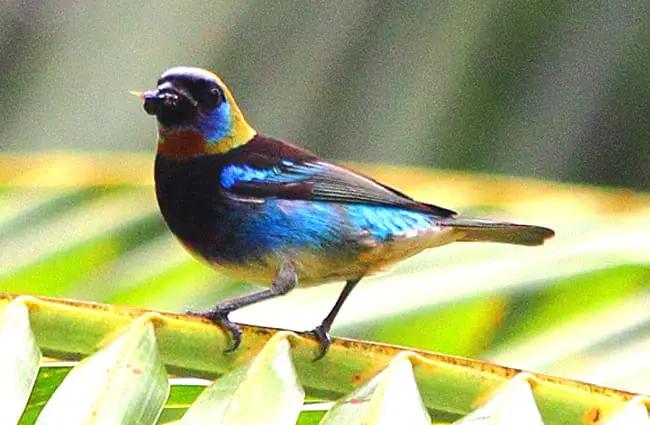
point(214, 97)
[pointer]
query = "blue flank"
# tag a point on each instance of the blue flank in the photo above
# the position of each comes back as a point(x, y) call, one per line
point(215, 124)
point(292, 226)
point(282, 225)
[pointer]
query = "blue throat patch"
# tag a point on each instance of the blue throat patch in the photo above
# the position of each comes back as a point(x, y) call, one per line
point(215, 125)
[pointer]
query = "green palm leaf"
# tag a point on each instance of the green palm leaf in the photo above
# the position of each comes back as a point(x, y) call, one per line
point(124, 382)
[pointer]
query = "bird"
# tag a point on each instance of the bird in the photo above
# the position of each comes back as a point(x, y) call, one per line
point(268, 212)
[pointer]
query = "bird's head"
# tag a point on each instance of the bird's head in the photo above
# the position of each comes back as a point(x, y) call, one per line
point(196, 114)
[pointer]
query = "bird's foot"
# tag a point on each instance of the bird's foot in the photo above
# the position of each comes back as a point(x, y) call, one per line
point(285, 281)
point(322, 334)
point(219, 316)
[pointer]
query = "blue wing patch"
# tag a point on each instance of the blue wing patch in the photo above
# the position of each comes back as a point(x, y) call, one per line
point(287, 172)
point(385, 222)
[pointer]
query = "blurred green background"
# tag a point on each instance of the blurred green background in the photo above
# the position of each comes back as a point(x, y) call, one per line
point(550, 90)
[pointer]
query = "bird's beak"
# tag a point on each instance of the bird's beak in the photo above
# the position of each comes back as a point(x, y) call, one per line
point(139, 94)
point(164, 97)
point(154, 100)
point(145, 95)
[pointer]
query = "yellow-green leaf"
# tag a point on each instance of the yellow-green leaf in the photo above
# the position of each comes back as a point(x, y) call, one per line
point(265, 391)
point(19, 358)
point(125, 383)
point(390, 397)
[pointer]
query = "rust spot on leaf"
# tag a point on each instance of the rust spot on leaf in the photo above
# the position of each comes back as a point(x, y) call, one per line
point(592, 416)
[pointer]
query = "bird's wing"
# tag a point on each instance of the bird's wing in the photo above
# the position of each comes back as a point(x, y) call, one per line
point(274, 169)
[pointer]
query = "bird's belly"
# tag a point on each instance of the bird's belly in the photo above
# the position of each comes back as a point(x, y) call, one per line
point(319, 267)
point(311, 270)
point(313, 236)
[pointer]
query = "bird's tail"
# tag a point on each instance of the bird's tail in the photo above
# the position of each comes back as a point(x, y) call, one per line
point(498, 231)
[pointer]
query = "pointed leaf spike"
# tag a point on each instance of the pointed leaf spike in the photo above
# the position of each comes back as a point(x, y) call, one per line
point(124, 383)
point(512, 404)
point(390, 397)
point(265, 391)
point(19, 358)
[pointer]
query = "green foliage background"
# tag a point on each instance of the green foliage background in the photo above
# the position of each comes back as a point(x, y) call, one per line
point(550, 89)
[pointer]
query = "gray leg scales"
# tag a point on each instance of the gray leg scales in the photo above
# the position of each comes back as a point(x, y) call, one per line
point(285, 281)
point(322, 331)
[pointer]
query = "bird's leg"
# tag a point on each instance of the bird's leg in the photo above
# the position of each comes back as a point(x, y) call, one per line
point(285, 281)
point(322, 331)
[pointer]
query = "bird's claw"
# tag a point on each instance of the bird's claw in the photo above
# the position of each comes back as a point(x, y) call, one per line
point(219, 316)
point(323, 337)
